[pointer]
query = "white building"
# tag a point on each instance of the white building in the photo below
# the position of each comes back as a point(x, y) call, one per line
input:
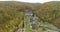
point(28, 13)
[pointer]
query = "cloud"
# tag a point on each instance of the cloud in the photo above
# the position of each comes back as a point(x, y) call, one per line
point(32, 1)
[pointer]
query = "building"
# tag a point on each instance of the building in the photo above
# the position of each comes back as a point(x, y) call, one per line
point(20, 30)
point(28, 13)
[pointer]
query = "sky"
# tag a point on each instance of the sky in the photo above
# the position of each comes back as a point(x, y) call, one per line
point(32, 1)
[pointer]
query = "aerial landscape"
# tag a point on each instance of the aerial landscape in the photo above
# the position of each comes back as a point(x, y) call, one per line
point(18, 16)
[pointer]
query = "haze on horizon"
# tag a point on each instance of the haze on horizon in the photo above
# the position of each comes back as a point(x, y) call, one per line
point(32, 1)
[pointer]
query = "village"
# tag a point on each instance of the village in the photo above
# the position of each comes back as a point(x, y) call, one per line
point(32, 23)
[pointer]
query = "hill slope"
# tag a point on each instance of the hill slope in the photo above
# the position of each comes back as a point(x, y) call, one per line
point(50, 12)
point(12, 13)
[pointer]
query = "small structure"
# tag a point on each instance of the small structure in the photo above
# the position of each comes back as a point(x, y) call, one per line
point(33, 19)
point(20, 30)
point(28, 13)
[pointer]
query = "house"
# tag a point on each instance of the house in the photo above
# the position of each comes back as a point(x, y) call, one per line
point(28, 13)
point(33, 19)
point(20, 30)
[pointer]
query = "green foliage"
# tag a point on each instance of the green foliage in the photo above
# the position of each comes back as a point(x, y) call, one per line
point(12, 13)
point(49, 12)
point(10, 17)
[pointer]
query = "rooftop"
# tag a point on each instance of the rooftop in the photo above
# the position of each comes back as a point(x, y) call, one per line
point(29, 13)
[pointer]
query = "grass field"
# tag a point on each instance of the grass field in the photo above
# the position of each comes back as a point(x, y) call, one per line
point(27, 28)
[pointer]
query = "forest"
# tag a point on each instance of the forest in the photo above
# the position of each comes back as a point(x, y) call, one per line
point(12, 13)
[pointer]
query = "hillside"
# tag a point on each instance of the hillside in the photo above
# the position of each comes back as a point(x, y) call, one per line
point(12, 13)
point(50, 12)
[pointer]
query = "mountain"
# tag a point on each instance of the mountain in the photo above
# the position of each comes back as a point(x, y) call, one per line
point(50, 12)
